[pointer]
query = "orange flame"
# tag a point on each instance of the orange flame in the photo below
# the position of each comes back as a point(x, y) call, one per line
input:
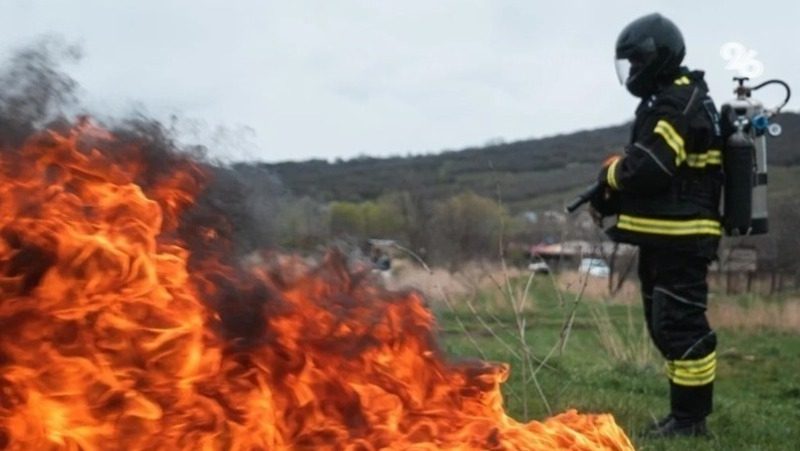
point(108, 340)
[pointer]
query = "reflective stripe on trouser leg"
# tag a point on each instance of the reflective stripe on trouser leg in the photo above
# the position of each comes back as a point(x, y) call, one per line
point(691, 384)
point(692, 372)
point(681, 330)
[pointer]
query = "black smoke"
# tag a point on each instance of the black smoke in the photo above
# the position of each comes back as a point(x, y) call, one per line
point(237, 203)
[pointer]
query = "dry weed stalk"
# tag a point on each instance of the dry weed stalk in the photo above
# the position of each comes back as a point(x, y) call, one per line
point(518, 299)
point(631, 345)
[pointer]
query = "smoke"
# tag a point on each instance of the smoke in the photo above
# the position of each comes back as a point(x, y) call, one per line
point(250, 197)
point(238, 203)
point(34, 90)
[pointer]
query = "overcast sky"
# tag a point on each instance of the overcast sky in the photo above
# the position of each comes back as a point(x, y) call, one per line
point(330, 79)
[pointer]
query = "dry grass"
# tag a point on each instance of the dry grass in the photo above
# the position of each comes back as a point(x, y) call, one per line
point(469, 279)
point(626, 340)
point(498, 298)
point(723, 312)
point(482, 276)
point(597, 288)
point(763, 315)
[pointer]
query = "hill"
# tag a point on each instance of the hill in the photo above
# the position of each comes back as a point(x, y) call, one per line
point(525, 174)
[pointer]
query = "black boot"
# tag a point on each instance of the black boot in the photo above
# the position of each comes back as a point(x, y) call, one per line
point(660, 423)
point(673, 427)
point(656, 426)
point(690, 406)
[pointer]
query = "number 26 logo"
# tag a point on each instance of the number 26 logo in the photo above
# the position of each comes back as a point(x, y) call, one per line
point(741, 59)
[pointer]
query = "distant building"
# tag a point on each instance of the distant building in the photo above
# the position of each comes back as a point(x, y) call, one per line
point(569, 252)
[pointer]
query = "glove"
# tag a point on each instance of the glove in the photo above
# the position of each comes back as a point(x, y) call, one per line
point(605, 202)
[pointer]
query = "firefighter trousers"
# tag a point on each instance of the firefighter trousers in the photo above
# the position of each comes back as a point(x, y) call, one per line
point(675, 295)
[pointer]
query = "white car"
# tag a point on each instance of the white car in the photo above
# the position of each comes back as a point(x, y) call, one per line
point(539, 267)
point(594, 267)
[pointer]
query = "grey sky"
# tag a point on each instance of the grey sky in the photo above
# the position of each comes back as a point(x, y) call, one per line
point(339, 78)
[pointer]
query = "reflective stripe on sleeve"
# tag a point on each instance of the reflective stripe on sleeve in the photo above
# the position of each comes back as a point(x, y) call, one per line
point(673, 139)
point(611, 174)
point(682, 81)
point(701, 160)
point(673, 227)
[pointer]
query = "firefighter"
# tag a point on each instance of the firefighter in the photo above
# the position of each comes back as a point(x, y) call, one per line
point(665, 192)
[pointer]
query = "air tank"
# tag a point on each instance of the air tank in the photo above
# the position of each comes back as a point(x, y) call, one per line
point(745, 166)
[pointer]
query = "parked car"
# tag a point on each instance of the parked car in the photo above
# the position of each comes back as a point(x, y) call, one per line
point(594, 267)
point(539, 267)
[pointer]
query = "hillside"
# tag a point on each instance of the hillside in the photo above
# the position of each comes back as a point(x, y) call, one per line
point(529, 173)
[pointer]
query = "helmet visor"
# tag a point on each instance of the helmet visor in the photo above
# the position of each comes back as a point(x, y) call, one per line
point(623, 67)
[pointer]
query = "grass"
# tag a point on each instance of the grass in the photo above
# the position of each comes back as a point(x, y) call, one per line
point(609, 365)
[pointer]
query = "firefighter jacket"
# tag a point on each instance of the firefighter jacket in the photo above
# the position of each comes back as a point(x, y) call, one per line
point(666, 188)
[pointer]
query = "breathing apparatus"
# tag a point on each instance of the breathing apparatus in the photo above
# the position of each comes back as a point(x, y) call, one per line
point(746, 124)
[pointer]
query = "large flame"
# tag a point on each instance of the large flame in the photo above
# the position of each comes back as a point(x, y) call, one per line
point(115, 335)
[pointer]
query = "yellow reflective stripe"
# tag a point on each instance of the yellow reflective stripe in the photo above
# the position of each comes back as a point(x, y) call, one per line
point(669, 222)
point(668, 226)
point(611, 176)
point(666, 130)
point(694, 382)
point(650, 230)
point(701, 160)
point(696, 362)
point(692, 372)
point(695, 373)
point(672, 138)
point(692, 378)
point(682, 81)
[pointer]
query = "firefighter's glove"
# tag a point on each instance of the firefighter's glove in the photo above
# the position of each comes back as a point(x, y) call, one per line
point(603, 203)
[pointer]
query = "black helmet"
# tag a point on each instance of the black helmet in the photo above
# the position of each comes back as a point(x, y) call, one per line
point(649, 52)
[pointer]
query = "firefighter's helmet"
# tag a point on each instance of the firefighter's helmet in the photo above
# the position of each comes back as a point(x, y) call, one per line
point(649, 52)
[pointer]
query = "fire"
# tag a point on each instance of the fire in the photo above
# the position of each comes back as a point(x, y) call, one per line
point(119, 332)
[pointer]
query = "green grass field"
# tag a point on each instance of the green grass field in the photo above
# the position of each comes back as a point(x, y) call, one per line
point(608, 365)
